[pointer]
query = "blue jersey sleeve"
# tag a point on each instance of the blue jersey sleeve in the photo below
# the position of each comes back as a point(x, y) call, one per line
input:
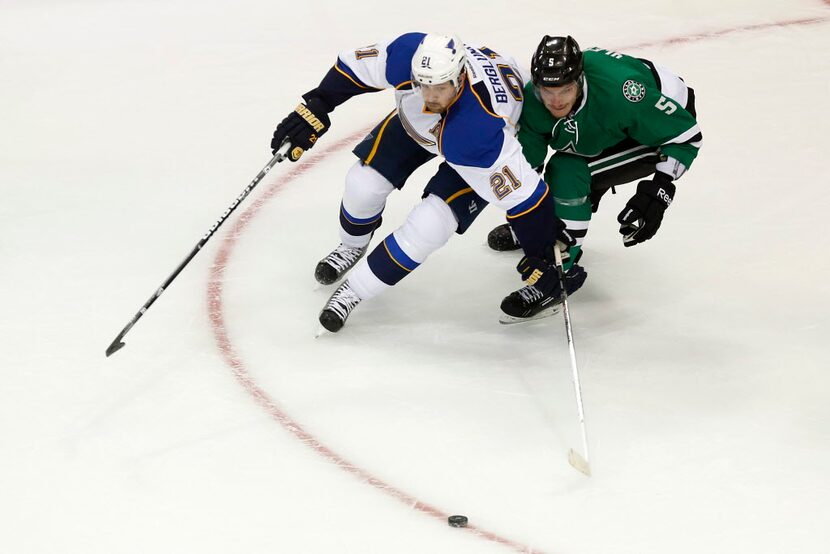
point(399, 54)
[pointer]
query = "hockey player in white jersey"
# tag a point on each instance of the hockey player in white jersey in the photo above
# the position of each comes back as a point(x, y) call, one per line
point(453, 100)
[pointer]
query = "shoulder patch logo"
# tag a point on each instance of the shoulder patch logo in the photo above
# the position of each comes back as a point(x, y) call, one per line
point(633, 91)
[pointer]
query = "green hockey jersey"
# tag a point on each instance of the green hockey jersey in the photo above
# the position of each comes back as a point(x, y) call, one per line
point(622, 97)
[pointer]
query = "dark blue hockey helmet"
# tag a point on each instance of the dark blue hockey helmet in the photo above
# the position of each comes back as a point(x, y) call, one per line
point(556, 62)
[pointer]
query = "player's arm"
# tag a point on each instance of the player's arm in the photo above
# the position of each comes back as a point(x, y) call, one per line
point(368, 69)
point(497, 171)
point(535, 125)
point(664, 118)
point(664, 123)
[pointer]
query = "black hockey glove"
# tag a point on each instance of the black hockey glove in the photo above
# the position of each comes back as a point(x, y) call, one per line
point(542, 272)
point(643, 213)
point(302, 127)
point(564, 241)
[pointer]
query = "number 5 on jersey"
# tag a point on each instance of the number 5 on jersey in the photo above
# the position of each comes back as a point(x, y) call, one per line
point(665, 105)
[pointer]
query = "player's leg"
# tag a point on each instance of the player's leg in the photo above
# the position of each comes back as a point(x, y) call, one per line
point(387, 157)
point(567, 199)
point(569, 180)
point(364, 199)
point(448, 206)
point(623, 163)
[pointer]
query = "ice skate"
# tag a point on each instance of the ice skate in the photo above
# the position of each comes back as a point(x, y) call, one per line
point(338, 308)
point(502, 239)
point(529, 303)
point(332, 267)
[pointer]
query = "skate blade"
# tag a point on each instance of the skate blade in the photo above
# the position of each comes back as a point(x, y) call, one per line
point(505, 319)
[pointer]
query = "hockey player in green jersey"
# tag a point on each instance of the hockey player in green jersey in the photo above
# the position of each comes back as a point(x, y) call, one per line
point(611, 119)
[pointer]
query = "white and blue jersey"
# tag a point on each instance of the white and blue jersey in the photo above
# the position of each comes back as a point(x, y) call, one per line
point(477, 133)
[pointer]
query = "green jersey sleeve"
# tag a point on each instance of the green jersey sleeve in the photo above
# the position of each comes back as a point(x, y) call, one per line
point(535, 127)
point(660, 121)
point(654, 117)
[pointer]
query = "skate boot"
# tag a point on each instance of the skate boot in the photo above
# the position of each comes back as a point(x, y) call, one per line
point(333, 266)
point(502, 239)
point(529, 303)
point(338, 308)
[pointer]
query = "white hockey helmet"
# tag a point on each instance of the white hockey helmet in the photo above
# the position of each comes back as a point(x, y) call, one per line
point(438, 59)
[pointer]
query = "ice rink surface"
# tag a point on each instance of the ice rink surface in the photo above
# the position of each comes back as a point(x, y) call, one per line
point(126, 128)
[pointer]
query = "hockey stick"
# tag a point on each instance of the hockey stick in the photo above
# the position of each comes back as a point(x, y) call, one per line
point(574, 458)
point(279, 156)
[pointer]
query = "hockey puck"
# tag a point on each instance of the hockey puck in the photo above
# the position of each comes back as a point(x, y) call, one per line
point(457, 521)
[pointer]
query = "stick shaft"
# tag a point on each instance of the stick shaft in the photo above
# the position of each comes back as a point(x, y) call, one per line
point(278, 157)
point(572, 351)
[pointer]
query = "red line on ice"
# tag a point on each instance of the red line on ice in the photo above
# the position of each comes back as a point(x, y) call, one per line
point(717, 34)
point(240, 371)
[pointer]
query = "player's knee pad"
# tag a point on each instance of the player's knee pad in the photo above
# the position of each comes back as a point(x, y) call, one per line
point(428, 227)
point(365, 193)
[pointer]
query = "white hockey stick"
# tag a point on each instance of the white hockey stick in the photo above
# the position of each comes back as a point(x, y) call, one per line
point(574, 458)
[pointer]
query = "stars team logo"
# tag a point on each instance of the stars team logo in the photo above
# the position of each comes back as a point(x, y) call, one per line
point(570, 126)
point(633, 91)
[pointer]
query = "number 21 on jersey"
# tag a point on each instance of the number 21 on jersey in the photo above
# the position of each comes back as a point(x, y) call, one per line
point(504, 182)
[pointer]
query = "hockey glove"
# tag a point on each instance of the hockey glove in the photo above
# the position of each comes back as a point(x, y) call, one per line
point(542, 272)
point(564, 241)
point(302, 127)
point(643, 213)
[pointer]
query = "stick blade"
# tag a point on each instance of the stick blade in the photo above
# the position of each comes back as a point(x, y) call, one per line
point(578, 462)
point(114, 347)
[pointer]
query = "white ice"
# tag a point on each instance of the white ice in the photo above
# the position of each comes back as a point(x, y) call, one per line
point(126, 128)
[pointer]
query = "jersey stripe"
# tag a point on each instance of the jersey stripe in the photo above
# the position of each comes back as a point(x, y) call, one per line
point(377, 138)
point(531, 203)
point(350, 75)
point(397, 254)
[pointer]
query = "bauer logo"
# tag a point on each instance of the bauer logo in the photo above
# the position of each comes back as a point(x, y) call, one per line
point(633, 91)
